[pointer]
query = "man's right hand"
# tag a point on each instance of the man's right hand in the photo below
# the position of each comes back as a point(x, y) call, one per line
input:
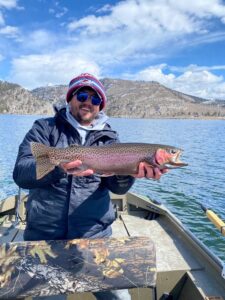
point(72, 168)
point(146, 171)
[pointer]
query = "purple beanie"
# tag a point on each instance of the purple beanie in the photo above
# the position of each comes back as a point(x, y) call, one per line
point(89, 80)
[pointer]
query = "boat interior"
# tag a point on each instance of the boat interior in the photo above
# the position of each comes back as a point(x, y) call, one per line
point(185, 268)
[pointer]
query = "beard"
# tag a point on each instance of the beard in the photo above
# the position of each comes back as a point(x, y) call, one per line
point(85, 118)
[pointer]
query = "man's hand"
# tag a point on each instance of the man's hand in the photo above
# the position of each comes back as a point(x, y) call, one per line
point(145, 171)
point(72, 168)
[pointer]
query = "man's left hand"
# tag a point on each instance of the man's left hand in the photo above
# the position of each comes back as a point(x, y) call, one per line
point(146, 171)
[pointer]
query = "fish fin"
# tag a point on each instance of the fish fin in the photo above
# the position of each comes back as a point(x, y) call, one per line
point(105, 175)
point(43, 164)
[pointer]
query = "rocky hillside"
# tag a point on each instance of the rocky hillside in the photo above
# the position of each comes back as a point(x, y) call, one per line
point(151, 99)
point(54, 94)
point(126, 98)
point(16, 100)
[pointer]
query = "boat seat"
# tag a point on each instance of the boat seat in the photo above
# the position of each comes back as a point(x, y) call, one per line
point(42, 268)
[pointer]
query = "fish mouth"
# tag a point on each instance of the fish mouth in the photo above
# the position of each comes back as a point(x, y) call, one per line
point(175, 161)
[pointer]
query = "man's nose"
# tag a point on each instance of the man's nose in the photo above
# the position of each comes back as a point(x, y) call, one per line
point(89, 99)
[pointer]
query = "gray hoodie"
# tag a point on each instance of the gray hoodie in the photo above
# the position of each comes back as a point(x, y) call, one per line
point(98, 123)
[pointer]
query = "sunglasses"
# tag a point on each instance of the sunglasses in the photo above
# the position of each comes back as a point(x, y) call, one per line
point(83, 96)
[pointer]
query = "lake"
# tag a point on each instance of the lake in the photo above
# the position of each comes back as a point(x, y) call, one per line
point(181, 190)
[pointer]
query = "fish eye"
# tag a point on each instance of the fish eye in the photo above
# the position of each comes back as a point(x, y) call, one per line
point(172, 151)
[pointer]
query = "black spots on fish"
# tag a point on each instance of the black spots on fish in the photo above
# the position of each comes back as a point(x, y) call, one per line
point(38, 149)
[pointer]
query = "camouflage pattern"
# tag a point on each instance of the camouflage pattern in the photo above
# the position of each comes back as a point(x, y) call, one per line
point(43, 268)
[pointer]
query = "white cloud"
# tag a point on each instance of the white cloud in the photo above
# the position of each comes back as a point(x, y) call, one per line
point(38, 40)
point(194, 80)
point(58, 68)
point(168, 15)
point(59, 11)
point(201, 8)
point(196, 68)
point(155, 73)
point(1, 57)
point(8, 3)
point(2, 21)
point(6, 30)
point(9, 31)
point(135, 30)
point(105, 8)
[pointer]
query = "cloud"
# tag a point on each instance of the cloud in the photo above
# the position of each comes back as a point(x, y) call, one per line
point(6, 30)
point(2, 21)
point(40, 40)
point(193, 80)
point(152, 17)
point(135, 30)
point(105, 8)
point(41, 70)
point(131, 16)
point(9, 31)
point(8, 3)
point(196, 68)
point(58, 11)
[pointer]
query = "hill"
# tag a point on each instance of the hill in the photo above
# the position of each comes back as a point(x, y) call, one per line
point(16, 100)
point(126, 98)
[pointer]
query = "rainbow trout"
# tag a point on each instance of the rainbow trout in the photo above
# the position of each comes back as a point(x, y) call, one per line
point(107, 160)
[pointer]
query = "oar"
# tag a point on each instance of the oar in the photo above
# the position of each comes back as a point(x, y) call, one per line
point(214, 219)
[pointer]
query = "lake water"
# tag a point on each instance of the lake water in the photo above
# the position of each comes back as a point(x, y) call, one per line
point(180, 190)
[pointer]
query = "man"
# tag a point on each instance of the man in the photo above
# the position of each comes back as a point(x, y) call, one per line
point(69, 203)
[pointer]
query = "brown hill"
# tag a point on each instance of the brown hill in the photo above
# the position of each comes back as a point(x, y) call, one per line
point(126, 98)
point(16, 100)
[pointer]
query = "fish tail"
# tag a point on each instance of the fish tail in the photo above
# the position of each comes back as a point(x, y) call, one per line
point(43, 164)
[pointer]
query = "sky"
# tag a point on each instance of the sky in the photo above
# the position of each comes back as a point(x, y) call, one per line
point(179, 43)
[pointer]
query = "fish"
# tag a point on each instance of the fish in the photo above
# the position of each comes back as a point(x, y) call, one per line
point(107, 160)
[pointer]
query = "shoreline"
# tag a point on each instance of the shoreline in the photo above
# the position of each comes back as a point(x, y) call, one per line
point(203, 118)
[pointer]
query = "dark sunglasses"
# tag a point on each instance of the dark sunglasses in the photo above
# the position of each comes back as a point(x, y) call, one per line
point(83, 96)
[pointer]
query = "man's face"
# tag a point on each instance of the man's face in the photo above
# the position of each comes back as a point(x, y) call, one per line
point(84, 112)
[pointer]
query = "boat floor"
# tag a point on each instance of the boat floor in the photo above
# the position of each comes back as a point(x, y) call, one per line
point(174, 259)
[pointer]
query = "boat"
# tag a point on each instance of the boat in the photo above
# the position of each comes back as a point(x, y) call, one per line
point(151, 253)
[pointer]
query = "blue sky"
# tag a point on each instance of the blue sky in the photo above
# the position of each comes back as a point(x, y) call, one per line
point(180, 44)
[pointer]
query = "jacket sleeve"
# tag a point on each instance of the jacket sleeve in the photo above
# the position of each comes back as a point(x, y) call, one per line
point(24, 173)
point(118, 184)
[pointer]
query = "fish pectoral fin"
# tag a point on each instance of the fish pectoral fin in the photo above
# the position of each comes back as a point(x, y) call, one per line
point(43, 166)
point(105, 174)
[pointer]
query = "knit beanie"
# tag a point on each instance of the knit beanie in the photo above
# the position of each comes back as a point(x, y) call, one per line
point(89, 80)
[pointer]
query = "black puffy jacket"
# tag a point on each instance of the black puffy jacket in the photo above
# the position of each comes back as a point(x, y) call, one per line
point(62, 206)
